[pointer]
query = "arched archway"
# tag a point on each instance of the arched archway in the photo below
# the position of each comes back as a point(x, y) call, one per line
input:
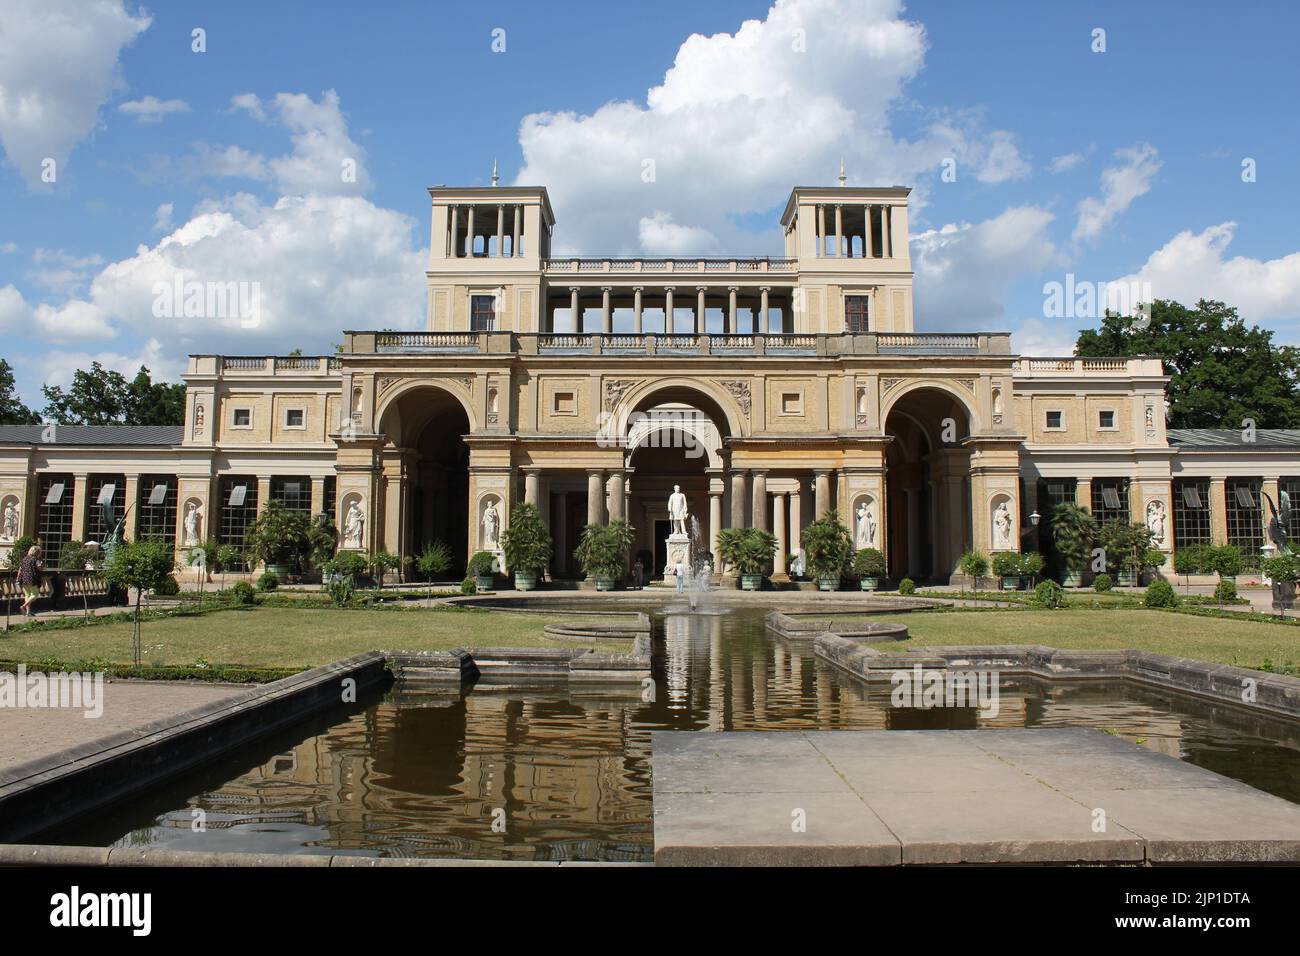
point(927, 482)
point(426, 428)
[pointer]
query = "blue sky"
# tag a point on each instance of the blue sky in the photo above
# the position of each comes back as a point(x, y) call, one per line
point(1122, 164)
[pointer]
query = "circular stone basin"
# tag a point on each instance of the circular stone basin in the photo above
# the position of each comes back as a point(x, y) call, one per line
point(870, 632)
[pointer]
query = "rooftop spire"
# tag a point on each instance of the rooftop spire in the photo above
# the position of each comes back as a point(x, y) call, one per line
point(495, 177)
point(843, 178)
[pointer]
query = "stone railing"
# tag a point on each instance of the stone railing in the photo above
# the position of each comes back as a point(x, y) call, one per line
point(1073, 366)
point(653, 343)
point(581, 264)
point(276, 364)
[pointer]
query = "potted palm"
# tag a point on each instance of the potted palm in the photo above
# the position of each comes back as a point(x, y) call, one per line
point(1008, 566)
point(527, 545)
point(482, 569)
point(869, 566)
point(828, 549)
point(749, 550)
point(280, 539)
point(1074, 531)
point(602, 551)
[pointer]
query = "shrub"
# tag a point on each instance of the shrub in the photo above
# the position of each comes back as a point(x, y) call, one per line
point(434, 561)
point(242, 592)
point(280, 536)
point(1225, 592)
point(1031, 564)
point(1048, 594)
point(1284, 568)
point(74, 556)
point(526, 543)
point(869, 563)
point(1103, 583)
point(1074, 531)
point(1007, 564)
point(907, 586)
point(827, 546)
point(749, 549)
point(229, 557)
point(974, 565)
point(340, 590)
point(468, 586)
point(1225, 560)
point(1160, 594)
point(323, 540)
point(480, 563)
point(383, 562)
point(602, 550)
point(167, 587)
point(1189, 560)
point(268, 581)
point(19, 550)
point(349, 564)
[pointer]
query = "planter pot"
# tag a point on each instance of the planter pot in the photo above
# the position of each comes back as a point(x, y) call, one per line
point(1010, 582)
point(751, 582)
point(1072, 579)
point(828, 583)
point(484, 582)
point(870, 584)
point(526, 580)
point(605, 584)
point(1127, 579)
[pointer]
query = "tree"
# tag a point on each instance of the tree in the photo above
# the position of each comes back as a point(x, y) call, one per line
point(102, 396)
point(142, 565)
point(1221, 370)
point(12, 410)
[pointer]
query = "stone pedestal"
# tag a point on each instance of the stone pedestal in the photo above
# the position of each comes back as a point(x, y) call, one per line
point(678, 548)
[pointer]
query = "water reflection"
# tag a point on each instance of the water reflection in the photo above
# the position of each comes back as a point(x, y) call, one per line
point(509, 773)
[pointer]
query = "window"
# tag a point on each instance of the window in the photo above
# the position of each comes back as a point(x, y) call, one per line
point(238, 508)
point(155, 513)
point(1110, 500)
point(1291, 488)
point(1055, 420)
point(1106, 418)
point(482, 313)
point(791, 403)
point(54, 517)
point(100, 490)
point(1052, 492)
point(331, 495)
point(855, 313)
point(242, 418)
point(294, 418)
point(293, 493)
point(1245, 520)
point(1191, 512)
point(563, 404)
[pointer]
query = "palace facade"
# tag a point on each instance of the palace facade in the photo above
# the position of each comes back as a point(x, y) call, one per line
point(770, 389)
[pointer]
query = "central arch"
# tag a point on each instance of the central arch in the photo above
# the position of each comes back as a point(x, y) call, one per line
point(426, 426)
point(927, 481)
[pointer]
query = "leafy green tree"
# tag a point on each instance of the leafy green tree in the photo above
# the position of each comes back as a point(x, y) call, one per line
point(142, 565)
point(1221, 370)
point(102, 396)
point(12, 410)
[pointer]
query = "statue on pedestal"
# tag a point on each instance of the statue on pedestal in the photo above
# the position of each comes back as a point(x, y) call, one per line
point(678, 510)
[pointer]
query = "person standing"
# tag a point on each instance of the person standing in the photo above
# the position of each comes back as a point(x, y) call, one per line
point(680, 573)
point(29, 577)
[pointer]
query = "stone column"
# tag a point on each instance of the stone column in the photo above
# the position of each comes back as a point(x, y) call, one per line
point(796, 515)
point(779, 571)
point(821, 493)
point(454, 250)
point(738, 498)
point(839, 230)
point(731, 309)
point(866, 233)
point(617, 496)
point(514, 239)
point(821, 231)
point(760, 324)
point(914, 568)
point(501, 229)
point(887, 231)
point(532, 484)
point(595, 496)
point(699, 310)
point(668, 310)
point(469, 232)
point(606, 316)
point(758, 519)
point(715, 512)
point(573, 309)
point(636, 310)
point(1218, 511)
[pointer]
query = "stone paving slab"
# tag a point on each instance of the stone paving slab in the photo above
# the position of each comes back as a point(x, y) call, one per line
point(879, 798)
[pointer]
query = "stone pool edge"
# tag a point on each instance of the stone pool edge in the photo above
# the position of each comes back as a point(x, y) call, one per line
point(40, 854)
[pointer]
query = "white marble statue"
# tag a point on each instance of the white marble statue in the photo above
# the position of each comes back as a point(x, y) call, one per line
point(1156, 521)
point(354, 525)
point(10, 530)
point(193, 519)
point(866, 527)
point(1002, 523)
point(678, 510)
point(491, 525)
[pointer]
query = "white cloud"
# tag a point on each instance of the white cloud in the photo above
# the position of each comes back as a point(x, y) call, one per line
point(62, 272)
point(150, 109)
point(963, 271)
point(58, 64)
point(1120, 185)
point(75, 320)
point(14, 312)
point(1002, 161)
point(57, 366)
point(8, 248)
point(162, 217)
point(738, 119)
point(1038, 337)
point(659, 234)
point(1065, 162)
point(1193, 266)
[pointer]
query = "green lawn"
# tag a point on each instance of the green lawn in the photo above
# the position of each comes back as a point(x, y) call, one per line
point(1246, 643)
point(288, 637)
